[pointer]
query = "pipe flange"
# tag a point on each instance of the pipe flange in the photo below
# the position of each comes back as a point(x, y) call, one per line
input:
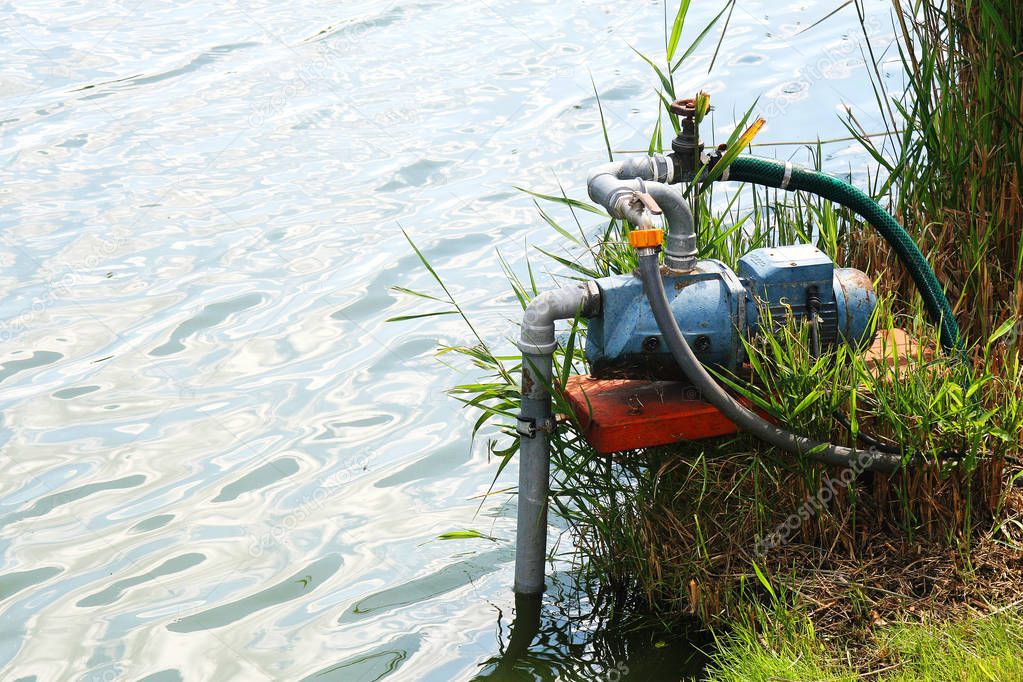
point(530, 347)
point(679, 265)
point(591, 301)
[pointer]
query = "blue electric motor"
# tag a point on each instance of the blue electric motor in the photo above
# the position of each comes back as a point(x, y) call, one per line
point(715, 308)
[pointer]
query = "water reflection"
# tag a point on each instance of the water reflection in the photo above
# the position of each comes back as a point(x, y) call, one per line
point(561, 637)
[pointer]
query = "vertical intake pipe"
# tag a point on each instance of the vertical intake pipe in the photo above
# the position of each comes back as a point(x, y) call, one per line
point(536, 422)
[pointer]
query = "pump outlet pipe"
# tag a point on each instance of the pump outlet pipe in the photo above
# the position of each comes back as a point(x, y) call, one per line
point(625, 189)
point(536, 422)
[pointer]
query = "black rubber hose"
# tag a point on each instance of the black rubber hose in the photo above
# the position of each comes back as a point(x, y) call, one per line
point(746, 420)
point(866, 438)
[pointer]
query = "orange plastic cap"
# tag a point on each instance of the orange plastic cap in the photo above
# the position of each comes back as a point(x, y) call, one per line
point(644, 239)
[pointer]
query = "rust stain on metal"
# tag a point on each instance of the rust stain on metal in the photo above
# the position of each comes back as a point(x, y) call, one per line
point(634, 404)
point(859, 280)
point(527, 381)
point(684, 107)
point(682, 282)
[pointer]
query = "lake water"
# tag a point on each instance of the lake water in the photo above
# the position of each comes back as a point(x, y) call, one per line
point(220, 462)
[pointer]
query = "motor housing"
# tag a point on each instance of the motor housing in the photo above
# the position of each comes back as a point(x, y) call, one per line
point(716, 307)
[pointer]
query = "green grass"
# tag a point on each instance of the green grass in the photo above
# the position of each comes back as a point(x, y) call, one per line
point(974, 649)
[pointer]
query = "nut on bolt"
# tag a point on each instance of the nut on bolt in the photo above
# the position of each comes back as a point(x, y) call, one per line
point(646, 239)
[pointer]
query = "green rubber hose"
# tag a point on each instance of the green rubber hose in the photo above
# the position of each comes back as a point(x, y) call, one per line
point(773, 173)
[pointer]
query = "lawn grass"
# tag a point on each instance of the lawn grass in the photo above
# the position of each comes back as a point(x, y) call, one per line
point(971, 649)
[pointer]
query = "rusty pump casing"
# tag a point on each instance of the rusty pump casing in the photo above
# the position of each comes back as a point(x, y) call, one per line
point(716, 307)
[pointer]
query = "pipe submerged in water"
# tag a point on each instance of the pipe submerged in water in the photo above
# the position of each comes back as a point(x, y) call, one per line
point(635, 190)
point(536, 422)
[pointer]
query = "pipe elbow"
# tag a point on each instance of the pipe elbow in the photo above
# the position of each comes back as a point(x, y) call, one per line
point(612, 184)
point(656, 168)
point(536, 332)
point(606, 184)
point(606, 188)
point(680, 248)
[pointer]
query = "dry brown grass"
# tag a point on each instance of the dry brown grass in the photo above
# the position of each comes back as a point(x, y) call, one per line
point(696, 530)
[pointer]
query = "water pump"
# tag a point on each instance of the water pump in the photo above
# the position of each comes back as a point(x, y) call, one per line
point(670, 320)
point(715, 307)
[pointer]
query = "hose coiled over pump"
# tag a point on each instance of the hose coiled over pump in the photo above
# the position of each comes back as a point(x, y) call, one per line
point(771, 173)
point(650, 274)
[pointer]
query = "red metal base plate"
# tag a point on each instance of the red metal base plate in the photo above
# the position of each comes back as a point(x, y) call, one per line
point(626, 414)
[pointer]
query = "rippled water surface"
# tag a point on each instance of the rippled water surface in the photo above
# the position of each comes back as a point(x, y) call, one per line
point(220, 462)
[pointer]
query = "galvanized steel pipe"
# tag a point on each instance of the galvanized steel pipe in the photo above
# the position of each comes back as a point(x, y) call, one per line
point(615, 186)
point(536, 422)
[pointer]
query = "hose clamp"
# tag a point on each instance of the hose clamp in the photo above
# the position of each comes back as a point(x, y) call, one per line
point(787, 176)
point(527, 427)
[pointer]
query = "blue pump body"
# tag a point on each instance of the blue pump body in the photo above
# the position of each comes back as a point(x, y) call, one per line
point(715, 307)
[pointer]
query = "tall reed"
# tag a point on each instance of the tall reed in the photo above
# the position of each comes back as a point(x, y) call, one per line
point(953, 155)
